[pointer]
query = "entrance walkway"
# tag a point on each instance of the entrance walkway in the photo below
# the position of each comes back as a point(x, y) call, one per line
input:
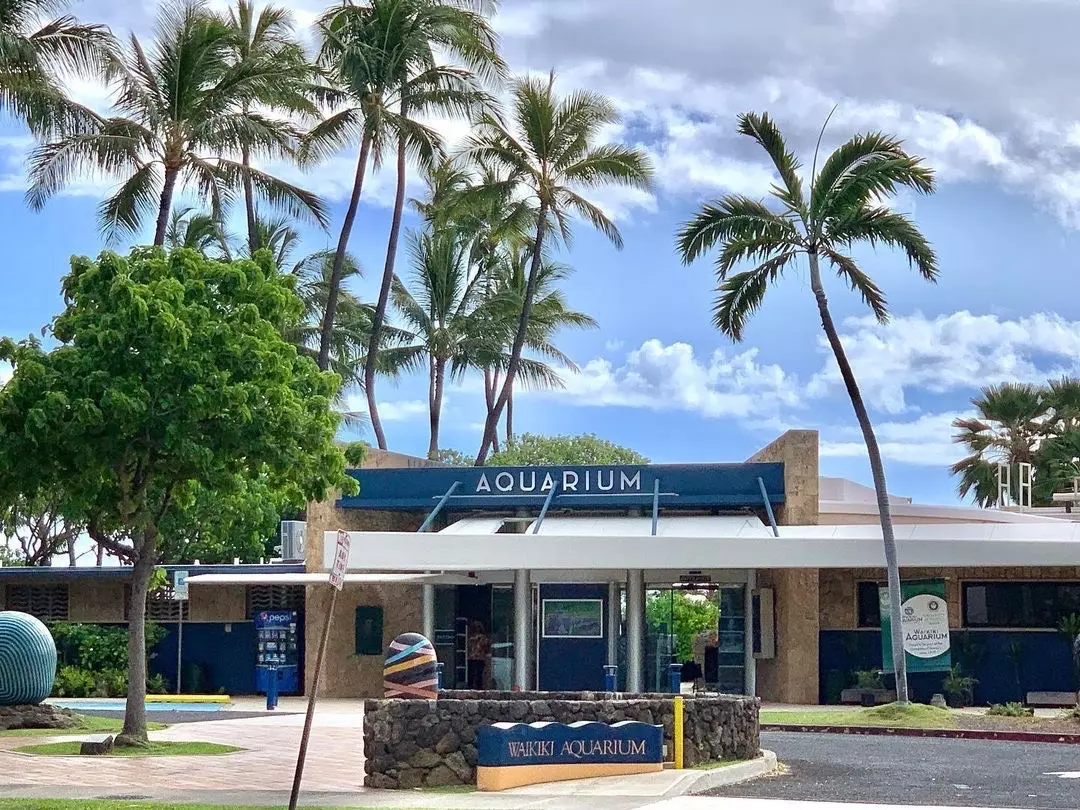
point(334, 763)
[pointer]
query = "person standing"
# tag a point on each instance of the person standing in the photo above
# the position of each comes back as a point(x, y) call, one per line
point(479, 653)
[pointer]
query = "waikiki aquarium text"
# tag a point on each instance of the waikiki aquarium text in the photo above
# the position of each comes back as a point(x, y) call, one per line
point(577, 749)
point(568, 481)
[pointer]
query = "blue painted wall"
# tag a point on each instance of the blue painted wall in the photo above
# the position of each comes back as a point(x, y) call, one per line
point(226, 657)
point(569, 664)
point(1045, 663)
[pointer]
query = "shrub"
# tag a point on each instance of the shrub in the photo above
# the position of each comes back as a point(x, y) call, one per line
point(72, 682)
point(869, 679)
point(1011, 709)
point(156, 684)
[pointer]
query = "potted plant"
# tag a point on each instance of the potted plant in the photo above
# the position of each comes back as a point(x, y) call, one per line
point(869, 683)
point(959, 688)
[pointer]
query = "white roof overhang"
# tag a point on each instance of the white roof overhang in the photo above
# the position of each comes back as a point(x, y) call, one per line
point(712, 542)
point(323, 578)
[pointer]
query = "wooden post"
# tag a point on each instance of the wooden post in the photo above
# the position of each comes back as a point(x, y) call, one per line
point(337, 575)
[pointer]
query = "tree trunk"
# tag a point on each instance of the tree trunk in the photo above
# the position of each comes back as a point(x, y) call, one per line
point(509, 418)
point(71, 552)
point(134, 731)
point(249, 202)
point(339, 255)
point(165, 206)
point(491, 426)
point(491, 382)
point(384, 297)
point(100, 551)
point(877, 470)
point(436, 406)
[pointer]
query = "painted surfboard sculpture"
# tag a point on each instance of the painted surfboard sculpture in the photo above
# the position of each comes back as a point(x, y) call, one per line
point(27, 659)
point(409, 671)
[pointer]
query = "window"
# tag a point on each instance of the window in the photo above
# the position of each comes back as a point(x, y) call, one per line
point(1027, 605)
point(573, 618)
point(274, 597)
point(869, 605)
point(160, 605)
point(45, 602)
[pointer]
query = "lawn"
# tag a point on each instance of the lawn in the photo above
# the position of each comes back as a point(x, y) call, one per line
point(156, 749)
point(914, 716)
point(88, 724)
point(116, 804)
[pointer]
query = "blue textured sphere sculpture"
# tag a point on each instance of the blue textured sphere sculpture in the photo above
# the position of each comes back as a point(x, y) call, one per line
point(27, 659)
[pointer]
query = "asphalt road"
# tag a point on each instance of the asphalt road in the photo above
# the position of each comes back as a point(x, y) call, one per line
point(919, 771)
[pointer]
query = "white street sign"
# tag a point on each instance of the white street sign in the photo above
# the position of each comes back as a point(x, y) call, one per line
point(180, 586)
point(341, 560)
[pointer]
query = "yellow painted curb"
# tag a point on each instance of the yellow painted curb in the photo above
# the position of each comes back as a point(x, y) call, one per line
point(188, 699)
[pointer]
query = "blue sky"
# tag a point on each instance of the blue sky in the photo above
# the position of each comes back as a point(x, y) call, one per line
point(985, 103)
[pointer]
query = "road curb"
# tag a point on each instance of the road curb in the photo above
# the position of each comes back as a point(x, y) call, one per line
point(725, 775)
point(950, 733)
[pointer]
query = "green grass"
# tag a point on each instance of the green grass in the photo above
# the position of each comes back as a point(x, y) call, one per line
point(914, 716)
point(113, 804)
point(156, 749)
point(88, 724)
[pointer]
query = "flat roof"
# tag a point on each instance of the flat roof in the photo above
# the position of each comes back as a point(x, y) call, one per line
point(674, 486)
point(122, 573)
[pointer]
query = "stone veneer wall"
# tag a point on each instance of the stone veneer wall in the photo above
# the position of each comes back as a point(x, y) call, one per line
point(792, 676)
point(344, 673)
point(414, 743)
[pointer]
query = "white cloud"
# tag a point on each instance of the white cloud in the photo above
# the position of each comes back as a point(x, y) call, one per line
point(926, 441)
point(959, 351)
point(668, 377)
point(394, 410)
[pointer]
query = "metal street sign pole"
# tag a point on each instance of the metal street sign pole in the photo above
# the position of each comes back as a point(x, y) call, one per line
point(180, 594)
point(337, 578)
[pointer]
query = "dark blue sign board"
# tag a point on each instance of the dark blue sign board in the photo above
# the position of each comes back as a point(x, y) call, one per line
point(584, 742)
point(613, 486)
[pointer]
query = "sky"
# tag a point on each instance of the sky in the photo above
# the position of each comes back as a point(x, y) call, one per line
point(983, 90)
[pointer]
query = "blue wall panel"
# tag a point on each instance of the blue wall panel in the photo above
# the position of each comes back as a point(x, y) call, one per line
point(227, 658)
point(569, 664)
point(1045, 663)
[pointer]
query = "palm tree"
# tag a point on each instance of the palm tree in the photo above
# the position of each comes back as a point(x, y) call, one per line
point(279, 237)
point(383, 55)
point(842, 210)
point(1012, 422)
point(266, 37)
point(181, 108)
point(35, 51)
point(189, 228)
point(550, 314)
point(551, 158)
point(443, 315)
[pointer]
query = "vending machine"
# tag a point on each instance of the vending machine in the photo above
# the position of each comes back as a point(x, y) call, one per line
point(276, 652)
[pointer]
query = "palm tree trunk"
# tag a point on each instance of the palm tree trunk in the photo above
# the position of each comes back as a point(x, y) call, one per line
point(165, 206)
point(491, 382)
point(509, 418)
point(249, 202)
point(339, 256)
point(491, 426)
point(877, 470)
point(384, 296)
point(134, 731)
point(436, 407)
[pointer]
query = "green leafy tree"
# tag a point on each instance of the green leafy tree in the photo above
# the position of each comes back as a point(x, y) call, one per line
point(396, 60)
point(843, 208)
point(551, 158)
point(684, 616)
point(531, 449)
point(37, 50)
point(183, 105)
point(171, 385)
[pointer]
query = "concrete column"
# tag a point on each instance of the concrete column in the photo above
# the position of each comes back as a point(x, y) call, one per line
point(614, 620)
point(427, 611)
point(523, 626)
point(750, 665)
point(635, 630)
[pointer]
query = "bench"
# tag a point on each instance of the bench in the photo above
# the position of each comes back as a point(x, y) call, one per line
point(1051, 700)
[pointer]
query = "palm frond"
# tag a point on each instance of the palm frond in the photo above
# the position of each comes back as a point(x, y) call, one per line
point(859, 281)
point(741, 294)
point(763, 129)
point(880, 225)
point(734, 217)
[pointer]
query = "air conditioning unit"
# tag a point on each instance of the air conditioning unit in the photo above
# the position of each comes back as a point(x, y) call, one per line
point(292, 540)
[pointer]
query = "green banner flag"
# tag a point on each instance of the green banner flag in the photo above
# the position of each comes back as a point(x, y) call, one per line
point(924, 614)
